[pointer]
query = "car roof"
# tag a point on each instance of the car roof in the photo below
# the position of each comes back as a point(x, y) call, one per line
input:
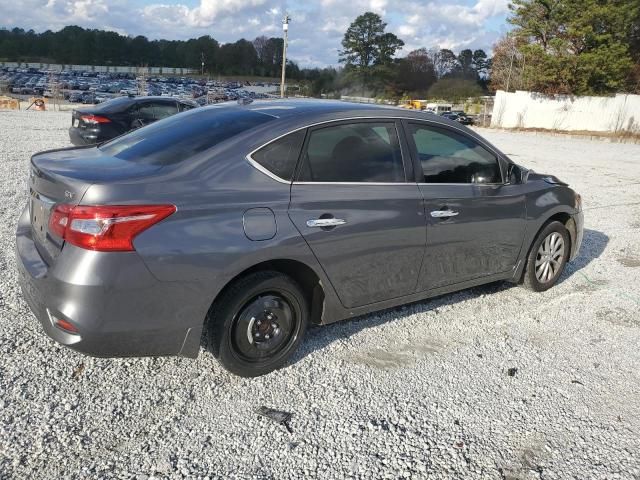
point(291, 115)
point(119, 104)
point(310, 111)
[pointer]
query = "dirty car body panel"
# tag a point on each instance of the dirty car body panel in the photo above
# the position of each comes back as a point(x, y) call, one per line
point(232, 214)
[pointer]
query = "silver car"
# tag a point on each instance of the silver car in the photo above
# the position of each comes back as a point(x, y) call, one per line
point(252, 222)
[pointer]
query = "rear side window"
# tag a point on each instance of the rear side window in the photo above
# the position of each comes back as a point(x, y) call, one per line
point(146, 112)
point(280, 156)
point(186, 106)
point(356, 152)
point(179, 137)
point(165, 109)
point(450, 157)
point(152, 111)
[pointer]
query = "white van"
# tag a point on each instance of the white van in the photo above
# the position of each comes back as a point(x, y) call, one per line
point(439, 108)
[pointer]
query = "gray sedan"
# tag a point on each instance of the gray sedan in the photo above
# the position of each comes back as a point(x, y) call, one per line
point(252, 222)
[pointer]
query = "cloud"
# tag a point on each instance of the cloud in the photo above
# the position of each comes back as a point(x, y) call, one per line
point(316, 29)
point(453, 25)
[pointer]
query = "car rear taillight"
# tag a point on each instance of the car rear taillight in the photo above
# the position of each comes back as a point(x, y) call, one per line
point(105, 228)
point(94, 119)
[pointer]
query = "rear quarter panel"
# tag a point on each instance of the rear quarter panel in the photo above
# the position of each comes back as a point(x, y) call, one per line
point(204, 244)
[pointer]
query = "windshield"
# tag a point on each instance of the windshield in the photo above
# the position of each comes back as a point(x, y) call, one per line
point(181, 136)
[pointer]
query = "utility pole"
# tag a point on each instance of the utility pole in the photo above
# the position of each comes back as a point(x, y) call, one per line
point(285, 29)
point(202, 60)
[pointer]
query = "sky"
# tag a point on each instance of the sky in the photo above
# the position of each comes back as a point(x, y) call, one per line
point(315, 32)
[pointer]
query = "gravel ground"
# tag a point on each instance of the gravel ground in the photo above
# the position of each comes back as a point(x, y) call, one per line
point(493, 382)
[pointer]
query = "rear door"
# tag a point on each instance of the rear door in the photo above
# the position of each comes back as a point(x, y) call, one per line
point(358, 207)
point(475, 221)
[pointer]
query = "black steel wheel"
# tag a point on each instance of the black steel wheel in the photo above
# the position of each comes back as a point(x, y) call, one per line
point(257, 323)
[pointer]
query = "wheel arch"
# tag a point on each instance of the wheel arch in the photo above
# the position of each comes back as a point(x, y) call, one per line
point(562, 216)
point(566, 219)
point(301, 273)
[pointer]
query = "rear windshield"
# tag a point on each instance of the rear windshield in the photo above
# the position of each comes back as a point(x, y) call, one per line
point(112, 106)
point(181, 136)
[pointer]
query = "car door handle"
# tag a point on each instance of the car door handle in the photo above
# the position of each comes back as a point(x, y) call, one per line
point(325, 222)
point(443, 213)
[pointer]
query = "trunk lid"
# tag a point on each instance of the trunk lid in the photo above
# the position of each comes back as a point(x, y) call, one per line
point(64, 176)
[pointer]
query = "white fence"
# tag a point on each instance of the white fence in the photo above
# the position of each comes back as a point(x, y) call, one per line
point(616, 114)
point(57, 67)
point(352, 99)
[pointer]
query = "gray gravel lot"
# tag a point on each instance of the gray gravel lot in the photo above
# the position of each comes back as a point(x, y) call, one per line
point(420, 391)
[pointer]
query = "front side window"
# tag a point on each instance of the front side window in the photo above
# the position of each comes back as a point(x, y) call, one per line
point(280, 156)
point(355, 152)
point(450, 157)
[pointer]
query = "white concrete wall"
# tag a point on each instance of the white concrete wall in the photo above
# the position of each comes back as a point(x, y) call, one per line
point(620, 113)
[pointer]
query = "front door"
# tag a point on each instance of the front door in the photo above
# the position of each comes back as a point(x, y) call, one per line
point(475, 222)
point(353, 205)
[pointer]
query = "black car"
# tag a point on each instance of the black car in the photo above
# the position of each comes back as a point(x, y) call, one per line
point(112, 118)
point(458, 117)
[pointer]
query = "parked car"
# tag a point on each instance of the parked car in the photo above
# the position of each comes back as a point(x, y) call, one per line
point(112, 118)
point(254, 221)
point(465, 119)
point(459, 117)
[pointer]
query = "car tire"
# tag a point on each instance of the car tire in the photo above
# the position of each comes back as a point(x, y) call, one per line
point(547, 257)
point(257, 323)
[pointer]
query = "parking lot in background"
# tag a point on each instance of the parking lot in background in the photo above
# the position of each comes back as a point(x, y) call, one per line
point(492, 382)
point(87, 87)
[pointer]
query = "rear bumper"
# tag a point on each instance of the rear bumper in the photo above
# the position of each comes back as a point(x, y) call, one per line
point(118, 307)
point(81, 137)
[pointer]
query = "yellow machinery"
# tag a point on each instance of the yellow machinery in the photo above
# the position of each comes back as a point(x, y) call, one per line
point(414, 104)
point(9, 103)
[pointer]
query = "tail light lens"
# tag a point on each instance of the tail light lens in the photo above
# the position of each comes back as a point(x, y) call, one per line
point(105, 228)
point(62, 324)
point(93, 119)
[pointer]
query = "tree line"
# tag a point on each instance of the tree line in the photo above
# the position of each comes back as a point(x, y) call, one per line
point(380, 73)
point(554, 46)
point(78, 46)
point(371, 65)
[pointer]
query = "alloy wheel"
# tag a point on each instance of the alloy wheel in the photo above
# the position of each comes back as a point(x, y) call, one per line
point(550, 257)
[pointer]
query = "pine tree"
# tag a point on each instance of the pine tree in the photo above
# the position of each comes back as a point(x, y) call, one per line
point(576, 46)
